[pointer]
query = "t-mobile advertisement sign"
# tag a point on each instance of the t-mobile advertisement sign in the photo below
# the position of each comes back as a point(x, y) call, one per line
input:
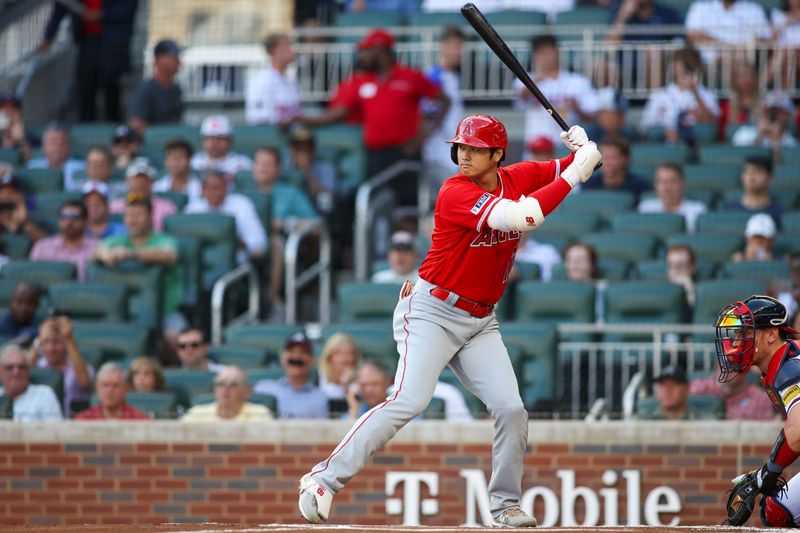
point(559, 508)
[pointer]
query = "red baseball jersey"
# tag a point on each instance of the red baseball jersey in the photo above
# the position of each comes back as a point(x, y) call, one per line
point(467, 256)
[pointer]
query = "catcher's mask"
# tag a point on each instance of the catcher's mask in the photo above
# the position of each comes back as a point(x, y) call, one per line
point(735, 340)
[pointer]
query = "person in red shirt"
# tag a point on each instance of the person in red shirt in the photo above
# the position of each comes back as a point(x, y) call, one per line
point(447, 318)
point(386, 96)
point(111, 388)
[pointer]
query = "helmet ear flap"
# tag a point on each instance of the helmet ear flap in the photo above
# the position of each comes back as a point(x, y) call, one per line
point(454, 153)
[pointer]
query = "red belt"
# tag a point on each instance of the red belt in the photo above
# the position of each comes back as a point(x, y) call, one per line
point(473, 308)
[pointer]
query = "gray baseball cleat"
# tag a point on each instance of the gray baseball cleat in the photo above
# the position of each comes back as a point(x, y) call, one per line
point(315, 500)
point(514, 517)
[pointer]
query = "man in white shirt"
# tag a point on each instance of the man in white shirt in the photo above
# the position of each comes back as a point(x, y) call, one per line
point(179, 177)
point(249, 229)
point(669, 183)
point(571, 94)
point(725, 22)
point(31, 402)
point(403, 260)
point(217, 135)
point(271, 97)
point(683, 102)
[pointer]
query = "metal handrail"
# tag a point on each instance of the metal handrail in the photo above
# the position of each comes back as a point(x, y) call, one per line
point(630, 394)
point(366, 209)
point(218, 298)
point(295, 281)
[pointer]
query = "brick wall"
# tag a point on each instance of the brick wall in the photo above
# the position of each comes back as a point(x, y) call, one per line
point(106, 473)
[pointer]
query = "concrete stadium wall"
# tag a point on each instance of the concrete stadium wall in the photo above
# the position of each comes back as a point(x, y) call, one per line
point(433, 473)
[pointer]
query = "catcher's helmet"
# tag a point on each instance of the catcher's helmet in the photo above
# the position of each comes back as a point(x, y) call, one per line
point(735, 328)
point(481, 131)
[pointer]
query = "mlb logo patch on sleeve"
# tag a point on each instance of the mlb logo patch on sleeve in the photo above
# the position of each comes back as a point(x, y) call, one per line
point(482, 200)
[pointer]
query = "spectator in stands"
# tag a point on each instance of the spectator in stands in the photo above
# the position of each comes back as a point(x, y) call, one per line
point(56, 154)
point(21, 317)
point(111, 389)
point(32, 403)
point(541, 149)
point(249, 230)
point(125, 145)
point(56, 348)
point(788, 291)
point(446, 73)
point(72, 244)
point(387, 93)
point(615, 174)
point(759, 235)
point(217, 155)
point(231, 392)
point(102, 31)
point(682, 269)
point(639, 13)
point(158, 100)
point(772, 129)
point(541, 254)
point(98, 223)
point(290, 205)
point(610, 120)
point(12, 126)
point(271, 97)
point(179, 177)
point(726, 24)
point(99, 168)
point(742, 107)
point(755, 198)
point(193, 351)
point(337, 365)
point(297, 396)
point(672, 391)
point(570, 93)
point(370, 388)
point(669, 184)
point(786, 36)
point(581, 264)
point(401, 6)
point(743, 400)
point(139, 178)
point(144, 245)
point(15, 217)
point(145, 375)
point(681, 104)
point(318, 176)
point(403, 260)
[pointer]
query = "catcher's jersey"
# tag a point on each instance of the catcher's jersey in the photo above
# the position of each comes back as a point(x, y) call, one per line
point(467, 256)
point(782, 380)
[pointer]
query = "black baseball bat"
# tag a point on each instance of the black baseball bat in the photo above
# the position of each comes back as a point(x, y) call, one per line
point(500, 48)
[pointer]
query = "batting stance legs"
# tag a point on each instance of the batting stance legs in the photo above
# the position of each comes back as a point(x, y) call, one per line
point(430, 334)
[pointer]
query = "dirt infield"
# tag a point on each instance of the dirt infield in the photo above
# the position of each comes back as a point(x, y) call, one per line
point(301, 528)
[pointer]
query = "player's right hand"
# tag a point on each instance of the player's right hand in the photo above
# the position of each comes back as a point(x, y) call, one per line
point(580, 170)
point(574, 138)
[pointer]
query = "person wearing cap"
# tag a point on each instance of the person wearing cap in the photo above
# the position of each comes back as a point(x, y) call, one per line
point(388, 96)
point(231, 392)
point(759, 235)
point(270, 96)
point(669, 183)
point(12, 126)
point(98, 223)
point(158, 100)
point(125, 145)
point(217, 135)
point(139, 178)
point(541, 149)
point(179, 177)
point(403, 260)
point(102, 30)
point(297, 396)
point(72, 244)
point(772, 130)
point(672, 392)
point(56, 153)
point(756, 198)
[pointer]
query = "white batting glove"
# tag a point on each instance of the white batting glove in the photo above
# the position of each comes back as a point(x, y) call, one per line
point(574, 138)
point(582, 167)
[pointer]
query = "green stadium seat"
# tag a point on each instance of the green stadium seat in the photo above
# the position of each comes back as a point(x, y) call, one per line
point(712, 296)
point(513, 17)
point(178, 198)
point(218, 242)
point(11, 156)
point(537, 344)
point(657, 270)
point(243, 181)
point(90, 301)
point(158, 135)
point(708, 407)
point(659, 225)
point(787, 243)
point(764, 271)
point(422, 19)
point(583, 15)
point(254, 375)
point(40, 273)
point(185, 383)
point(51, 377)
point(263, 205)
point(476, 407)
point(723, 222)
point(370, 19)
point(608, 269)
point(788, 196)
point(144, 284)
point(189, 261)
point(375, 339)
point(247, 137)
point(39, 180)
point(631, 302)
point(603, 203)
point(367, 301)
point(555, 302)
point(6, 408)
point(712, 177)
point(434, 411)
point(118, 341)
point(349, 136)
point(7, 288)
point(785, 174)
point(570, 224)
point(350, 168)
point(528, 270)
point(269, 337)
point(16, 246)
point(709, 246)
point(48, 203)
point(656, 153)
point(155, 404)
point(92, 354)
point(242, 356)
point(627, 246)
point(85, 135)
point(728, 154)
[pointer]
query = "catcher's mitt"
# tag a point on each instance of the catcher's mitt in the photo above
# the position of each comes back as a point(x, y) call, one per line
point(742, 496)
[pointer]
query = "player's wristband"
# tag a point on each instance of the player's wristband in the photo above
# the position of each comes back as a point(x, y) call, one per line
point(782, 454)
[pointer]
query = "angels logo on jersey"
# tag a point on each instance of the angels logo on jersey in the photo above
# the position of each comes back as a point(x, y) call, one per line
point(490, 237)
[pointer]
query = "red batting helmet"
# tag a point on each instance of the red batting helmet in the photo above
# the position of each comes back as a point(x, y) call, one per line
point(481, 131)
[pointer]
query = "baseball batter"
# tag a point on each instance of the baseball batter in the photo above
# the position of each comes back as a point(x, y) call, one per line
point(448, 318)
point(755, 332)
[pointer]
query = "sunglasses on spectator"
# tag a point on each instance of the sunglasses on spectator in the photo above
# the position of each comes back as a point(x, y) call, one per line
point(10, 368)
point(69, 215)
point(184, 345)
point(226, 383)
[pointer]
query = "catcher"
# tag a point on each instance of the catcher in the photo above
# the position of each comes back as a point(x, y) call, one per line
point(755, 332)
